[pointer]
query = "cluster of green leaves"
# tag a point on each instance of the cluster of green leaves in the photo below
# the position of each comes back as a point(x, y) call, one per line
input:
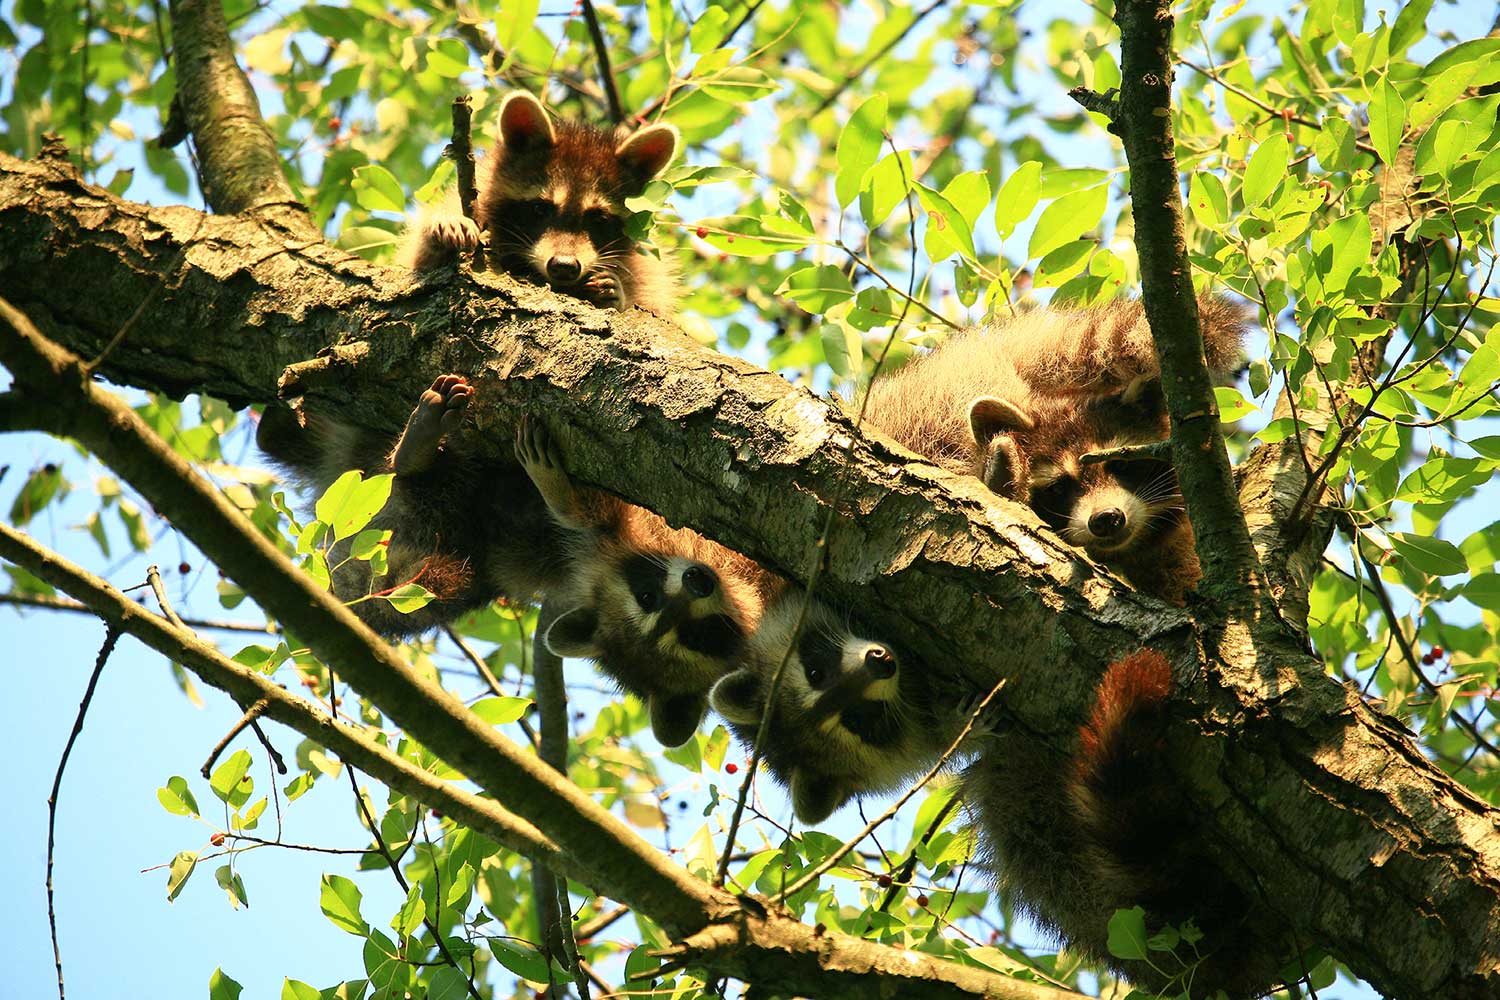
point(861, 180)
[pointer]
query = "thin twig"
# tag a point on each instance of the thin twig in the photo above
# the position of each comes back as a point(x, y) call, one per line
point(486, 674)
point(813, 874)
point(907, 867)
point(63, 604)
point(1281, 113)
point(873, 58)
point(111, 636)
point(461, 151)
point(606, 72)
point(252, 714)
point(1151, 450)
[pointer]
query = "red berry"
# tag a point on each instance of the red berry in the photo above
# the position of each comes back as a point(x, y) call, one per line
point(184, 568)
point(217, 839)
point(1437, 652)
point(729, 239)
point(335, 123)
point(922, 901)
point(732, 768)
point(436, 814)
point(883, 881)
point(702, 232)
point(1427, 660)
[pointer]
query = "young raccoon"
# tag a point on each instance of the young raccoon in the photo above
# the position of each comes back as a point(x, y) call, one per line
point(1071, 841)
point(468, 534)
point(661, 610)
point(850, 716)
point(1019, 403)
point(552, 201)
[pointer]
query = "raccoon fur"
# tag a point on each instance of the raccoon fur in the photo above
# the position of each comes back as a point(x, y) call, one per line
point(663, 611)
point(468, 534)
point(1072, 840)
point(552, 203)
point(1018, 403)
point(851, 714)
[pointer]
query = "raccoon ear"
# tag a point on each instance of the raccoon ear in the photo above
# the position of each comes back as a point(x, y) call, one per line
point(991, 415)
point(737, 697)
point(675, 719)
point(647, 153)
point(524, 124)
point(572, 633)
point(815, 797)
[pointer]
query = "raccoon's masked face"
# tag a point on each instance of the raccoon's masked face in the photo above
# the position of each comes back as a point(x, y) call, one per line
point(841, 722)
point(559, 194)
point(1105, 508)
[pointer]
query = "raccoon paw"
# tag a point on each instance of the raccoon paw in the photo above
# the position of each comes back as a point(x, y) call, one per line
point(602, 289)
point(453, 233)
point(439, 410)
point(540, 456)
point(987, 722)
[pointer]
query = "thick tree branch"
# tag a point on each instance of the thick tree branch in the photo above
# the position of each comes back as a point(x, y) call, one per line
point(1329, 809)
point(239, 165)
point(1145, 128)
point(747, 937)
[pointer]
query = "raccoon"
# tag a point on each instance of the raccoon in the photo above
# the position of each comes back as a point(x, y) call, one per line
point(851, 715)
point(468, 534)
point(1072, 840)
point(661, 610)
point(1018, 404)
point(552, 203)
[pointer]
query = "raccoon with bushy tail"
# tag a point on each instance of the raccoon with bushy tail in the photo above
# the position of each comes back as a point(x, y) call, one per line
point(663, 611)
point(551, 201)
point(1071, 840)
point(1018, 404)
point(467, 532)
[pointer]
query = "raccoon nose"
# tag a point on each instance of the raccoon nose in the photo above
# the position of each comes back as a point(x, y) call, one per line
point(699, 581)
point(1106, 522)
point(880, 662)
point(564, 270)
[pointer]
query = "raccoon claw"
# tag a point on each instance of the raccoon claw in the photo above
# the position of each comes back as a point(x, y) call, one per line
point(439, 410)
point(602, 290)
point(986, 722)
point(453, 233)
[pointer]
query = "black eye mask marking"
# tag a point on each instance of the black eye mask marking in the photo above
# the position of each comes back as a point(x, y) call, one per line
point(647, 581)
point(718, 636)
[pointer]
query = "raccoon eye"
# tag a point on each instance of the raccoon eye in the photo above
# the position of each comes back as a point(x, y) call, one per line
point(536, 208)
point(648, 600)
point(815, 675)
point(598, 217)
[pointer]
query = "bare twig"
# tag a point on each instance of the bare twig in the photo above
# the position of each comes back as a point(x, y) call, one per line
point(606, 72)
point(252, 713)
point(873, 58)
point(63, 604)
point(1151, 450)
point(1282, 113)
point(111, 636)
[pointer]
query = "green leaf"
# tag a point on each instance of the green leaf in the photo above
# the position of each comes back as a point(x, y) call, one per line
point(42, 487)
point(1483, 591)
point(291, 989)
point(1433, 556)
point(885, 186)
point(1207, 199)
point(1437, 95)
point(340, 899)
point(499, 711)
point(948, 231)
point(410, 597)
point(708, 31)
point(842, 349)
point(409, 917)
point(859, 147)
point(1334, 144)
point(221, 987)
point(1018, 197)
point(229, 776)
point(369, 542)
point(447, 983)
point(179, 872)
point(1266, 170)
point(1127, 933)
point(1232, 405)
point(817, 288)
point(233, 886)
point(1387, 120)
point(970, 193)
point(513, 22)
point(459, 889)
point(1068, 218)
point(377, 189)
point(739, 85)
point(347, 506)
point(177, 798)
point(520, 958)
point(447, 57)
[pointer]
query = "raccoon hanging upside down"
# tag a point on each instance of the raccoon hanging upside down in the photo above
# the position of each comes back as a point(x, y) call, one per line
point(552, 203)
point(1072, 840)
point(850, 716)
point(1019, 403)
point(467, 533)
point(663, 611)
